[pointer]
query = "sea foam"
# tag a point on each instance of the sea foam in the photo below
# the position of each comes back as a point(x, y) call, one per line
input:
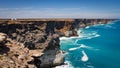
point(84, 58)
point(71, 49)
point(87, 27)
point(81, 46)
point(67, 64)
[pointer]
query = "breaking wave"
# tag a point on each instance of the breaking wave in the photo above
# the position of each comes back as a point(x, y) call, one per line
point(83, 35)
point(88, 35)
point(87, 27)
point(71, 49)
point(67, 64)
point(81, 46)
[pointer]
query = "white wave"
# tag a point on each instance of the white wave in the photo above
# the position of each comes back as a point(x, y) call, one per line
point(74, 37)
point(68, 38)
point(71, 49)
point(71, 42)
point(81, 46)
point(84, 46)
point(87, 27)
point(88, 35)
point(76, 42)
point(84, 58)
point(64, 38)
point(88, 47)
point(97, 35)
point(67, 64)
point(81, 35)
point(92, 35)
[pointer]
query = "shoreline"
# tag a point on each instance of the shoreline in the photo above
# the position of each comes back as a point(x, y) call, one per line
point(71, 37)
point(45, 36)
point(73, 48)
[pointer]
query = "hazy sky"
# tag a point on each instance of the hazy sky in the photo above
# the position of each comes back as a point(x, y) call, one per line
point(60, 8)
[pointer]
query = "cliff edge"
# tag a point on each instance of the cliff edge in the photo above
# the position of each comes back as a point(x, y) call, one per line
point(34, 43)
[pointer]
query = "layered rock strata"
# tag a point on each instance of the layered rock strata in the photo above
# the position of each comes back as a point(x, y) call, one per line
point(34, 43)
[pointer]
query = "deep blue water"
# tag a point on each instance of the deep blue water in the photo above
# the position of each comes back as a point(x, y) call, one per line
point(97, 46)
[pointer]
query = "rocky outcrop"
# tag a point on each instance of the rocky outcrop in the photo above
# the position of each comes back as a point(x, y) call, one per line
point(34, 43)
point(3, 38)
point(14, 55)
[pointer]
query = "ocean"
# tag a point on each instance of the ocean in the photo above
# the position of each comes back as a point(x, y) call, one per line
point(97, 46)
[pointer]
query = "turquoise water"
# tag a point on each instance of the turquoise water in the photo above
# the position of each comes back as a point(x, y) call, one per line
point(97, 46)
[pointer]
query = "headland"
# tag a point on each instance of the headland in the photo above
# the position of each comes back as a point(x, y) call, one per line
point(34, 43)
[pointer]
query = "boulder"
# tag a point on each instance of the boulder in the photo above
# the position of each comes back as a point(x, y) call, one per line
point(3, 37)
point(51, 58)
point(59, 59)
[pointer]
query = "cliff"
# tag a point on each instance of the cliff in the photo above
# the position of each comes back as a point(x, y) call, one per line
point(35, 42)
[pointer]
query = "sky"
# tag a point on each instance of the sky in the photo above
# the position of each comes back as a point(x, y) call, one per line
point(60, 9)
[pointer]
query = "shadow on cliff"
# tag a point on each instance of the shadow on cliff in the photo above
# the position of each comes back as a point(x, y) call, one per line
point(4, 49)
point(75, 24)
point(28, 34)
point(50, 28)
point(32, 36)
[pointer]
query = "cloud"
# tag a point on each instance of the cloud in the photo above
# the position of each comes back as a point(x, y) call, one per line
point(30, 12)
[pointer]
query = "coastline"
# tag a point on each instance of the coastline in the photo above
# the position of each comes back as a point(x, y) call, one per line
point(67, 63)
point(45, 36)
point(93, 48)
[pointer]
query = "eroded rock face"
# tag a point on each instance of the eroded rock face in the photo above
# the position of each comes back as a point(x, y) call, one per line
point(36, 44)
point(14, 55)
point(3, 37)
point(51, 58)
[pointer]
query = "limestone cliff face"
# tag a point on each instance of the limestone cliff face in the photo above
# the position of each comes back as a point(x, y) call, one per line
point(44, 35)
point(65, 27)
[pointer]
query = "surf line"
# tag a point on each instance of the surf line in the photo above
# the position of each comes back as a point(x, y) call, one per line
point(81, 46)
